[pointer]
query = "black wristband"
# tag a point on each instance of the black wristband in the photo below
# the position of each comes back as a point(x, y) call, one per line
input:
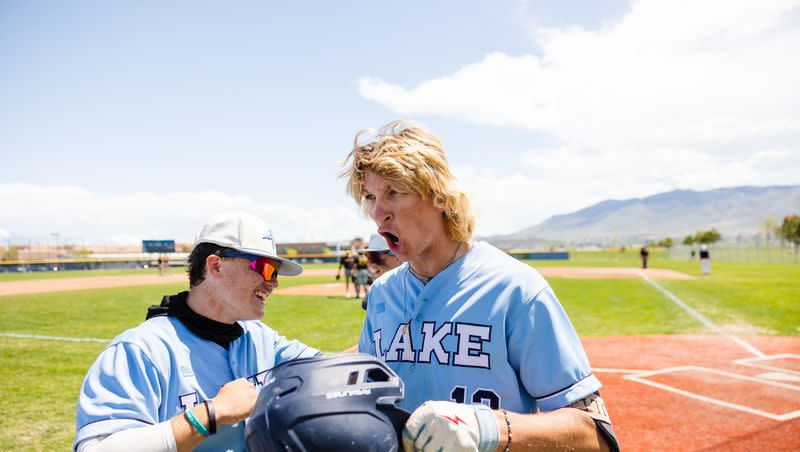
point(212, 417)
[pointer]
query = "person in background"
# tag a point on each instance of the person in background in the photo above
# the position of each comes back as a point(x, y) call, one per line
point(379, 260)
point(348, 261)
point(705, 259)
point(644, 253)
point(361, 274)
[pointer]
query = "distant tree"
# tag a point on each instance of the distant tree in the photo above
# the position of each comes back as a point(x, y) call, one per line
point(688, 240)
point(11, 254)
point(666, 243)
point(81, 253)
point(790, 229)
point(770, 226)
point(710, 236)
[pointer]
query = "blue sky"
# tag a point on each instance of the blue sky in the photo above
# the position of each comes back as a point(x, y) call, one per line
point(125, 121)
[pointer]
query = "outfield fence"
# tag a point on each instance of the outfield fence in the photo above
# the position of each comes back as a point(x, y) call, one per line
point(763, 252)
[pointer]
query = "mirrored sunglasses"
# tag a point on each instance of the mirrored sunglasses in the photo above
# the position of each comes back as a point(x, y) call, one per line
point(264, 266)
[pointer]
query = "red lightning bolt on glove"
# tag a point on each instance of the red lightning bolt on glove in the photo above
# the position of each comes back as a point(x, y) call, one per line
point(455, 420)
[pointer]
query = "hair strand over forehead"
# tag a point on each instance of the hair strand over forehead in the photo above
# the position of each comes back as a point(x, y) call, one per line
point(412, 160)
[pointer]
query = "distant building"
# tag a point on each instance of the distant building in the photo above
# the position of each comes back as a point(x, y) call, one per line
point(304, 247)
point(39, 252)
point(312, 247)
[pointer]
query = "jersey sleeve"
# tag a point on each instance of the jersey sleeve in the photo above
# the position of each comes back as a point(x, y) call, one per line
point(122, 390)
point(545, 350)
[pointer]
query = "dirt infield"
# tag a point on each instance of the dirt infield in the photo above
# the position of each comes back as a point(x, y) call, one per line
point(102, 282)
point(338, 289)
point(90, 282)
point(332, 289)
point(700, 393)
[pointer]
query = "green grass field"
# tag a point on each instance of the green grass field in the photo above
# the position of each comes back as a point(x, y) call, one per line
point(39, 379)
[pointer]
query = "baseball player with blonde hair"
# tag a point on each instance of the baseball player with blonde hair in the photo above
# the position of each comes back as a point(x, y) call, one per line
point(487, 353)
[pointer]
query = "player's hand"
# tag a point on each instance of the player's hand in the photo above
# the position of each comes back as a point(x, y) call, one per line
point(337, 277)
point(235, 401)
point(438, 425)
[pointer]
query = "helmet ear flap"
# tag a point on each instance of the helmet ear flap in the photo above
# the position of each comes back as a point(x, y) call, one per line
point(338, 402)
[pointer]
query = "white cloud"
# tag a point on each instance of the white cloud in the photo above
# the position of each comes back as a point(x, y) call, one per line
point(675, 95)
point(36, 212)
point(669, 72)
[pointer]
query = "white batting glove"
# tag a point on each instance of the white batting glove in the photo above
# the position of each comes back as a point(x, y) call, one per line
point(439, 425)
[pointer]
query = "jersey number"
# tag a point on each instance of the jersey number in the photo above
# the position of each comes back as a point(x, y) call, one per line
point(484, 396)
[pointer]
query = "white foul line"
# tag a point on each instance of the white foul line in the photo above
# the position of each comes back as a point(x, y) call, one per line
point(56, 338)
point(703, 319)
point(757, 363)
point(641, 378)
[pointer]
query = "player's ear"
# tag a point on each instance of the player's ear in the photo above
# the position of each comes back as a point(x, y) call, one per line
point(213, 266)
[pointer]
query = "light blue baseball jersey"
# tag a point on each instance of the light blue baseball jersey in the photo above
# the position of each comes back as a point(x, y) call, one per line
point(488, 329)
point(157, 370)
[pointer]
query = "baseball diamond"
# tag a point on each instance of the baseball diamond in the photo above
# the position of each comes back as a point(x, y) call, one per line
point(689, 373)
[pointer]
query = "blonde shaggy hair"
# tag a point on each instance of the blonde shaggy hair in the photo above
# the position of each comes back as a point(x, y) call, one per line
point(411, 159)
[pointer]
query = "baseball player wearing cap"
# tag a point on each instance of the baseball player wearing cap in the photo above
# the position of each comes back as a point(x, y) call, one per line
point(486, 351)
point(705, 259)
point(348, 261)
point(360, 274)
point(380, 260)
point(187, 377)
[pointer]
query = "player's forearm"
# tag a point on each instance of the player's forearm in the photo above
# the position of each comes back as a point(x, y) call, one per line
point(186, 436)
point(563, 429)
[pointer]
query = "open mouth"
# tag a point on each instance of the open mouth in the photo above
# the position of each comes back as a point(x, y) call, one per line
point(261, 295)
point(392, 240)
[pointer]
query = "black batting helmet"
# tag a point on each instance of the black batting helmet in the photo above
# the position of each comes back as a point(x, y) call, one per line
point(328, 403)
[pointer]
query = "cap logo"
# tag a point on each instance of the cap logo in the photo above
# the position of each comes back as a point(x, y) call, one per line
point(268, 236)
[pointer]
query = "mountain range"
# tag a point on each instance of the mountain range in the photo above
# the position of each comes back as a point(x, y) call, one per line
point(734, 211)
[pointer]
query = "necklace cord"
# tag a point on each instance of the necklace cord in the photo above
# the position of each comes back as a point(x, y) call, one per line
point(426, 279)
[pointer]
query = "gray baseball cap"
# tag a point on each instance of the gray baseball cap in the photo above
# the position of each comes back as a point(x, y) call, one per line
point(248, 234)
